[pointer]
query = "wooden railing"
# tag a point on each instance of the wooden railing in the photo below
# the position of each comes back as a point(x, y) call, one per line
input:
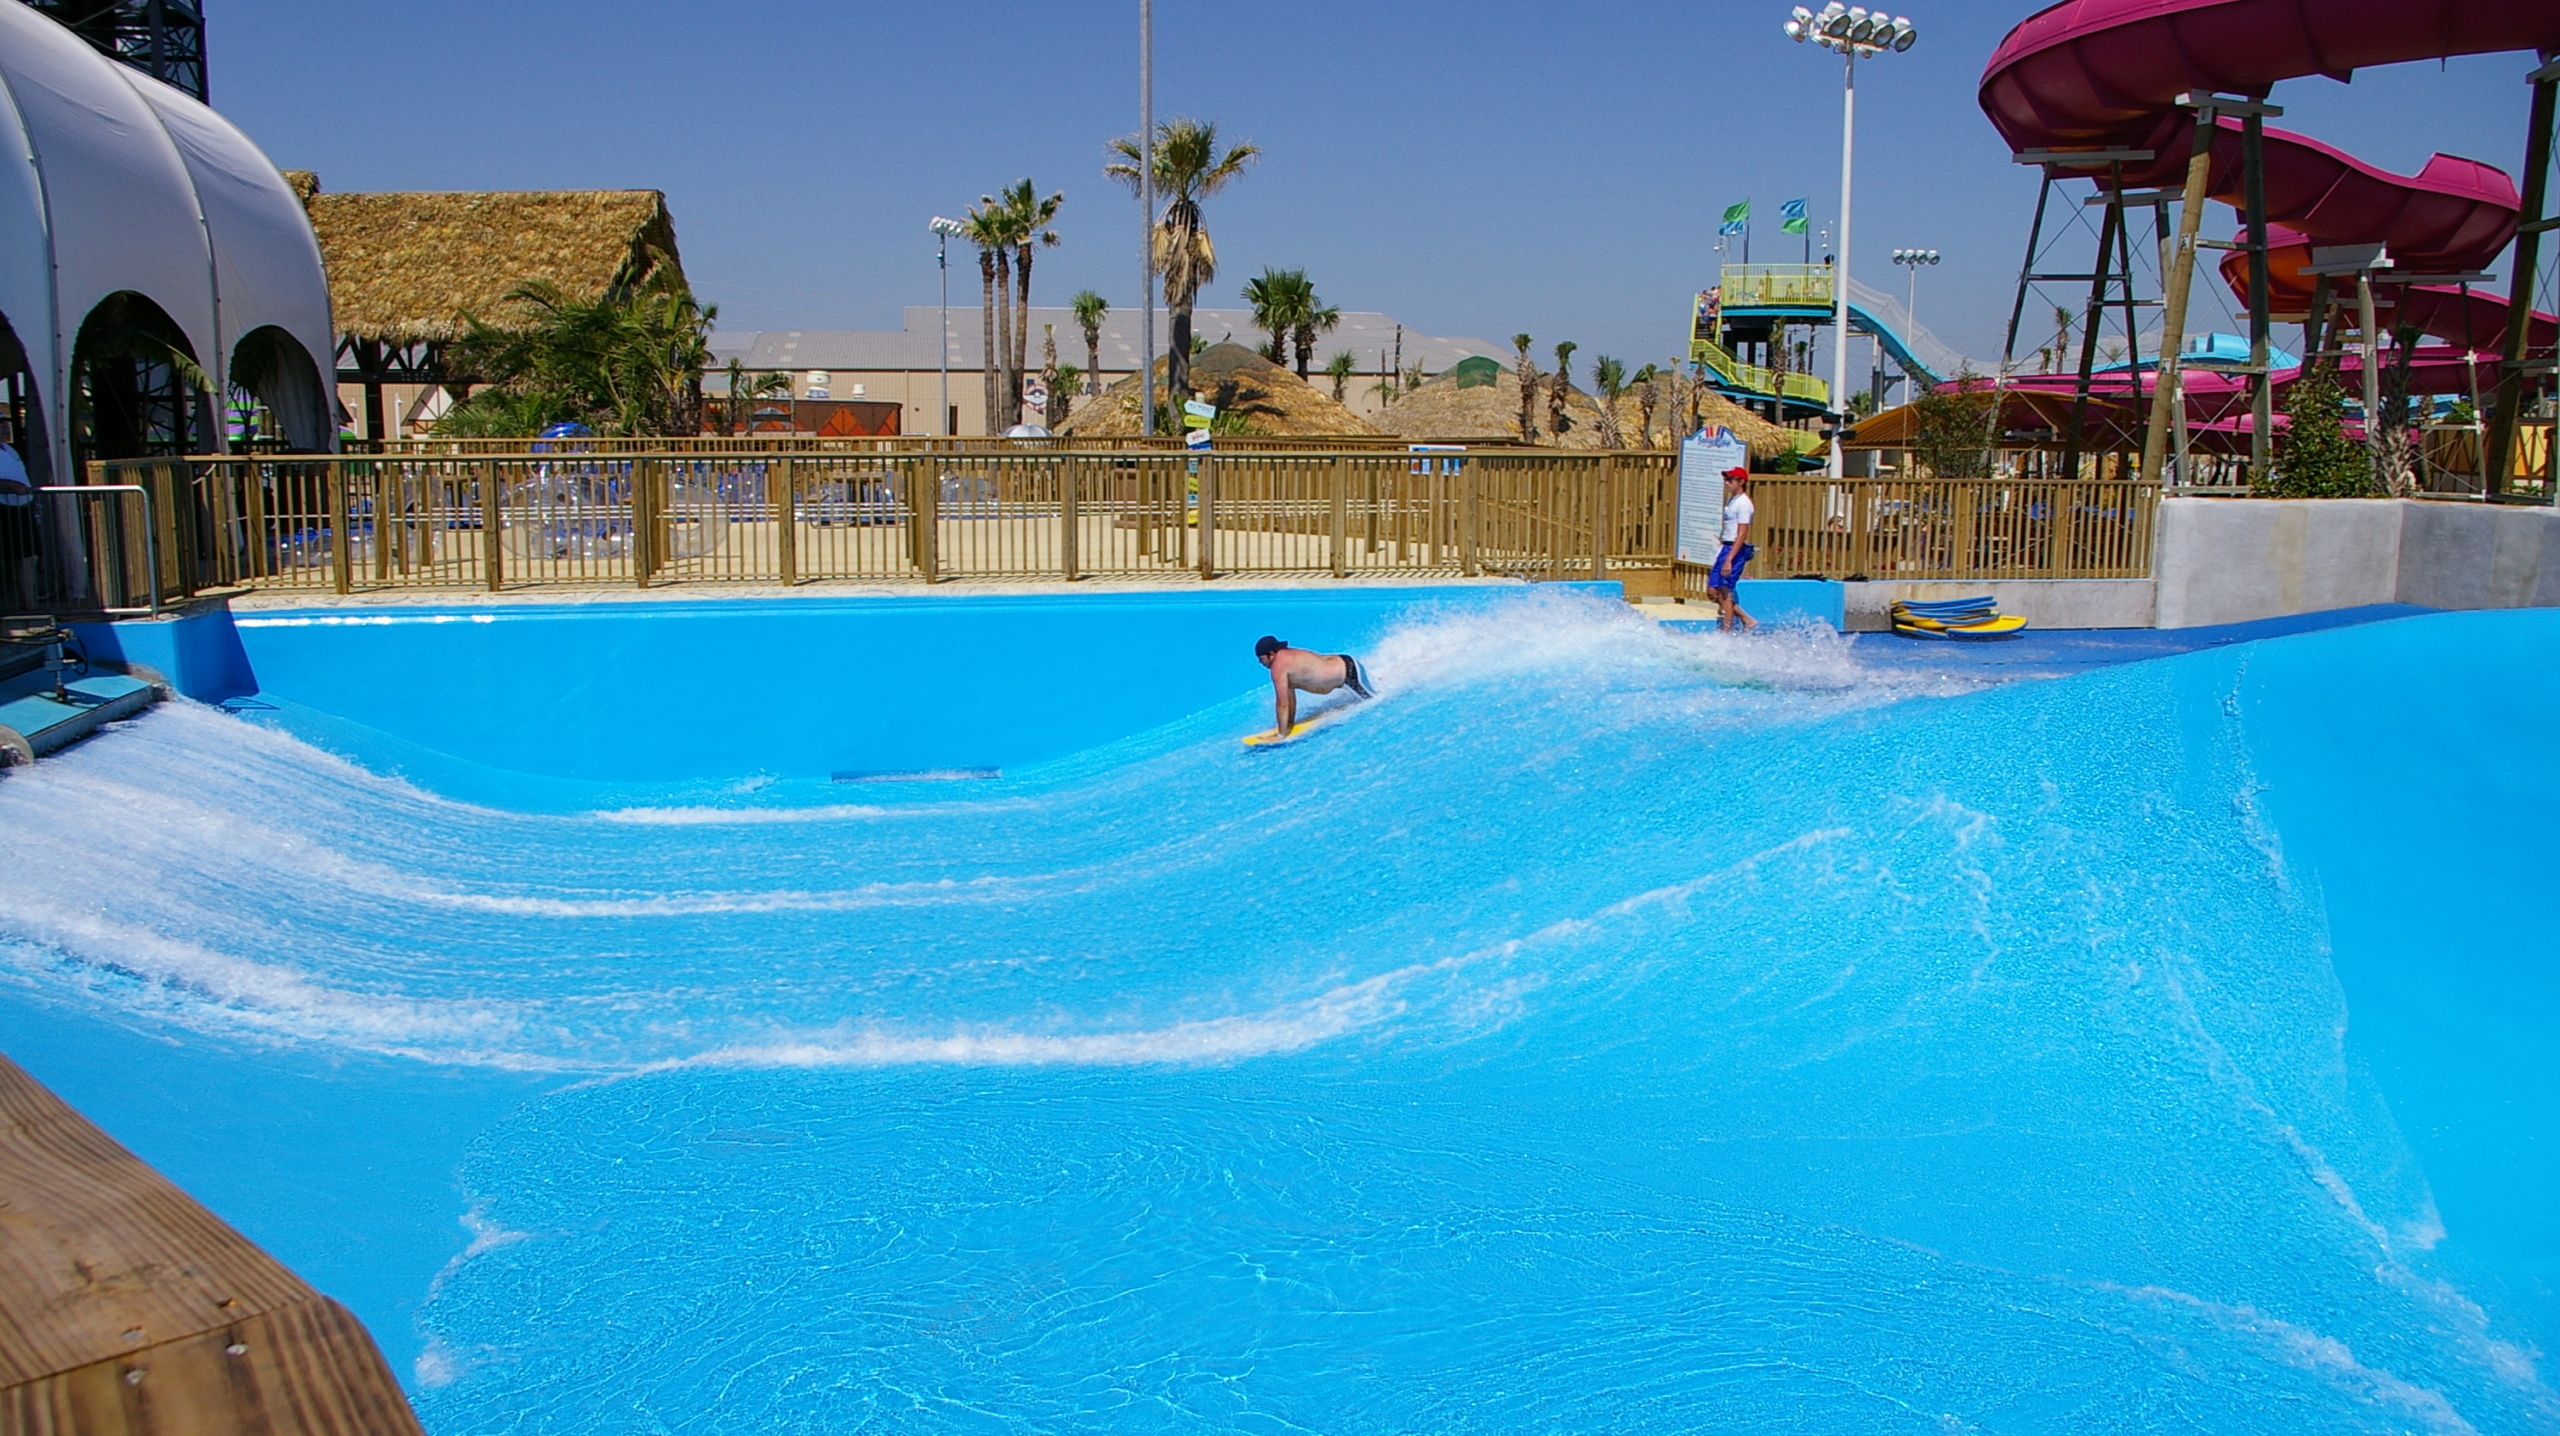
point(1918, 529)
point(773, 443)
point(491, 521)
point(345, 523)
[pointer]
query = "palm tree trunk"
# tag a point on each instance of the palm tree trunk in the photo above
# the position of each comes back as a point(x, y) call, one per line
point(988, 355)
point(1177, 359)
point(1008, 410)
point(1092, 359)
point(1021, 318)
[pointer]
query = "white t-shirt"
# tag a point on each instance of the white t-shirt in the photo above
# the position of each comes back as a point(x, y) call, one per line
point(1737, 512)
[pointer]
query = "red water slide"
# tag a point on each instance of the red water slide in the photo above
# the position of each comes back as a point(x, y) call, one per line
point(2105, 74)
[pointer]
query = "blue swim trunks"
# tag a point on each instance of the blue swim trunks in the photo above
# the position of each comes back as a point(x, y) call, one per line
point(1726, 571)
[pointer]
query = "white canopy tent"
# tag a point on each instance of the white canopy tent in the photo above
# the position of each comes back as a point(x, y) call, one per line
point(113, 181)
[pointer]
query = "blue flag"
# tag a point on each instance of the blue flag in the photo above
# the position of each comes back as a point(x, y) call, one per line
point(1792, 213)
point(1737, 218)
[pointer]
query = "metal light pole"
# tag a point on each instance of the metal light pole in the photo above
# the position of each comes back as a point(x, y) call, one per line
point(1855, 32)
point(943, 229)
point(1912, 259)
point(1147, 214)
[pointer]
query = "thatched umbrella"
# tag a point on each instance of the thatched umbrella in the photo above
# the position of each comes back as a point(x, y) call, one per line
point(404, 268)
point(1272, 400)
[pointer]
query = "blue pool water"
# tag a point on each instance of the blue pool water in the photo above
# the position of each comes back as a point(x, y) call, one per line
point(1605, 1030)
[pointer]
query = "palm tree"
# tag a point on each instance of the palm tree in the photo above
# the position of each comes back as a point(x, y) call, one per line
point(1317, 318)
point(738, 413)
point(627, 362)
point(1648, 382)
point(1189, 167)
point(990, 230)
point(1610, 378)
point(2061, 336)
point(1278, 297)
point(1089, 310)
point(1031, 215)
point(1528, 373)
point(1053, 388)
point(1558, 418)
point(1339, 369)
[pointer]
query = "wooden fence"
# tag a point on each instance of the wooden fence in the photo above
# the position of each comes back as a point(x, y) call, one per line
point(492, 521)
point(1927, 529)
point(348, 523)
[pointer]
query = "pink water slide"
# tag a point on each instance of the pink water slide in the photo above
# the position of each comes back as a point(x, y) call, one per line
point(2105, 74)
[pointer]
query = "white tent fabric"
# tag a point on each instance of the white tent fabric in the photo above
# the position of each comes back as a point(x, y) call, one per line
point(116, 181)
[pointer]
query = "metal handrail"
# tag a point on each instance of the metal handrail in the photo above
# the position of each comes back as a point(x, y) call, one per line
point(150, 535)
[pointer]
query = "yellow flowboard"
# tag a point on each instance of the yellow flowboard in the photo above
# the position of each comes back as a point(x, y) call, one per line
point(1269, 739)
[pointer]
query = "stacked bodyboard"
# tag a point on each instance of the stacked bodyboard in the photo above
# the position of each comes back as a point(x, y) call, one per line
point(1960, 618)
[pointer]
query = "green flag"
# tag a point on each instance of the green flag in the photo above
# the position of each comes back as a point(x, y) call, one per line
point(1792, 216)
point(1736, 216)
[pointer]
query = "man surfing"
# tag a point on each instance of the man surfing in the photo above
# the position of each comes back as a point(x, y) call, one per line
point(1296, 669)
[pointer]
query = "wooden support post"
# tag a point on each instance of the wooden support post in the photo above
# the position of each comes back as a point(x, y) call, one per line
point(2173, 301)
point(644, 522)
point(1340, 474)
point(1470, 522)
point(2506, 406)
point(341, 553)
point(492, 532)
point(1070, 516)
point(258, 562)
point(786, 519)
point(925, 490)
point(2261, 384)
point(2367, 322)
point(1603, 497)
point(1208, 516)
point(166, 573)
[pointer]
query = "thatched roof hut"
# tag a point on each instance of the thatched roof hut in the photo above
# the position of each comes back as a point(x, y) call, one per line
point(405, 267)
point(1449, 407)
point(1272, 400)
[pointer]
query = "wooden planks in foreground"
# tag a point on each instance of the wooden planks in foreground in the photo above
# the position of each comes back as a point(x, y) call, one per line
point(125, 1307)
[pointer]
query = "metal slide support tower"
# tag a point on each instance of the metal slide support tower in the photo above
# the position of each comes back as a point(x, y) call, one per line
point(162, 38)
point(2109, 276)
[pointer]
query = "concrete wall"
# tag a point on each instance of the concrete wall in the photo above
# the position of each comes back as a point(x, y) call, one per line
point(2479, 556)
point(2232, 560)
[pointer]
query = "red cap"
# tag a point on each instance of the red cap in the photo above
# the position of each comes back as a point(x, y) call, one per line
point(1737, 473)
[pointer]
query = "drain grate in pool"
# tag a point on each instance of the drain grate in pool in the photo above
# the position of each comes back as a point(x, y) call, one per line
point(912, 775)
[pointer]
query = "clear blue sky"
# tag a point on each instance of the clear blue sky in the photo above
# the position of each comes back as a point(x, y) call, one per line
point(1473, 170)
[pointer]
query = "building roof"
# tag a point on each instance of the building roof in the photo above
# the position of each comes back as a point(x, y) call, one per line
point(918, 346)
point(407, 266)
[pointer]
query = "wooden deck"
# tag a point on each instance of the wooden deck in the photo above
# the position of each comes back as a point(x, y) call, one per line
point(125, 1307)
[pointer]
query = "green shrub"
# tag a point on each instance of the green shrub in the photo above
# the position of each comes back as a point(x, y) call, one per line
point(2314, 457)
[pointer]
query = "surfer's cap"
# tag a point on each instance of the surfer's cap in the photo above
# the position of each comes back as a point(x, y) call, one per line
point(1267, 645)
point(1737, 473)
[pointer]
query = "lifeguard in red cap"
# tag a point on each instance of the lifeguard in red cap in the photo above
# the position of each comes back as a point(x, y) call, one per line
point(1726, 572)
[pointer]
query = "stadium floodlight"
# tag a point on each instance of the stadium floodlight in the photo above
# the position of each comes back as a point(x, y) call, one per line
point(944, 230)
point(1853, 32)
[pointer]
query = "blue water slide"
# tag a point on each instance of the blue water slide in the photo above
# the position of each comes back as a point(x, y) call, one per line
point(1919, 353)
